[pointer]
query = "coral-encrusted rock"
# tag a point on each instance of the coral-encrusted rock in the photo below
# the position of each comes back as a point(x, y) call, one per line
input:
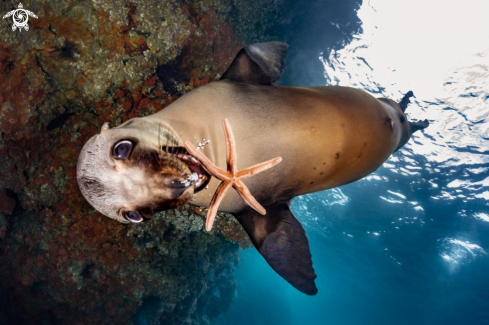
point(79, 65)
point(97, 271)
point(83, 63)
point(3, 226)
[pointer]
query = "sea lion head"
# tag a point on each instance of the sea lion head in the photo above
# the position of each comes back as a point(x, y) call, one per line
point(137, 169)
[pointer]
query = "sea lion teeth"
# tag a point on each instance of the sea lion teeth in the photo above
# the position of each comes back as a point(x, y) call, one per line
point(200, 182)
point(191, 180)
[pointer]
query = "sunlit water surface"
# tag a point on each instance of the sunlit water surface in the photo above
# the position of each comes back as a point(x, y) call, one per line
point(408, 244)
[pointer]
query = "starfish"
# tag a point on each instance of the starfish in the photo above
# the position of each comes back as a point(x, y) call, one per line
point(231, 177)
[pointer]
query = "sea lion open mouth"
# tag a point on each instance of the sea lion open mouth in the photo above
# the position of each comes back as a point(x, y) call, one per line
point(199, 177)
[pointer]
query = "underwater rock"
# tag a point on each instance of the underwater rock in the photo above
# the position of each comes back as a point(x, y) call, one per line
point(80, 64)
point(3, 226)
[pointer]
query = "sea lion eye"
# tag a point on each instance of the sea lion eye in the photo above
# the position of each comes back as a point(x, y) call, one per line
point(122, 149)
point(133, 216)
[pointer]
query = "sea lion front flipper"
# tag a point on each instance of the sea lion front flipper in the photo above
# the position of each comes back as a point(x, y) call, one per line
point(282, 241)
point(260, 63)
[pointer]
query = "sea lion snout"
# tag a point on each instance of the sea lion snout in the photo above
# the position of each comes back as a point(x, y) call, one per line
point(128, 173)
point(179, 187)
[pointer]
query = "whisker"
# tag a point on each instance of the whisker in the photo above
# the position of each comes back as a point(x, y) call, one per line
point(172, 135)
point(169, 151)
point(167, 135)
point(159, 143)
point(174, 158)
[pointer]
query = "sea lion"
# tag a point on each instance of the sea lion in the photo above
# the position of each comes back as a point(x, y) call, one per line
point(326, 136)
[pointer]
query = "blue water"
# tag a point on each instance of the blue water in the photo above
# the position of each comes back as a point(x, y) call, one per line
point(408, 244)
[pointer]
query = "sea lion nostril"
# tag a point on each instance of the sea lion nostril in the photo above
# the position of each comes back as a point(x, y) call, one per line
point(122, 149)
point(178, 188)
point(178, 184)
point(133, 216)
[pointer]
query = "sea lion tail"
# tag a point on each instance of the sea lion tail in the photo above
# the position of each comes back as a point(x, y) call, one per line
point(282, 241)
point(405, 101)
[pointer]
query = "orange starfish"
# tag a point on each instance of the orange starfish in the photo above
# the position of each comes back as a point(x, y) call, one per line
point(232, 177)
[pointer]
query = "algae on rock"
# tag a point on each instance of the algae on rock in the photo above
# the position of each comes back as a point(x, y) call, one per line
point(83, 63)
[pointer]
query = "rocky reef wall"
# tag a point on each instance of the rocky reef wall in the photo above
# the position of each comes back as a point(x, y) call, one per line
point(80, 64)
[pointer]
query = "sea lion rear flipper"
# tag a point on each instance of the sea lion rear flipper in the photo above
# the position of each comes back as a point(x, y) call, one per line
point(416, 126)
point(405, 101)
point(282, 241)
point(260, 63)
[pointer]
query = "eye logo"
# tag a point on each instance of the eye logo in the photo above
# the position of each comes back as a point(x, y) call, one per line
point(20, 17)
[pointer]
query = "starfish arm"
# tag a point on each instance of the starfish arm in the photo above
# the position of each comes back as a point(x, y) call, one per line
point(231, 177)
point(230, 147)
point(206, 163)
point(246, 195)
point(258, 168)
point(216, 200)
